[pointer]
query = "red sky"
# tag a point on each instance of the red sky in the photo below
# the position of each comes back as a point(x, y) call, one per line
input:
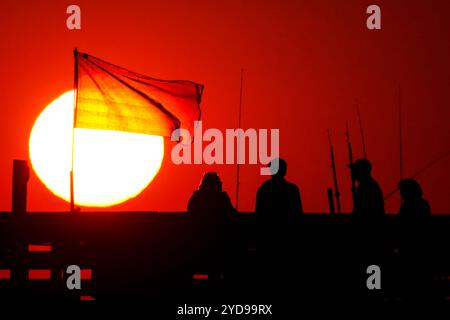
point(305, 64)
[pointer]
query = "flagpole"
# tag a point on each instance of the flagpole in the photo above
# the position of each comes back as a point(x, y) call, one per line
point(75, 101)
point(237, 152)
point(400, 132)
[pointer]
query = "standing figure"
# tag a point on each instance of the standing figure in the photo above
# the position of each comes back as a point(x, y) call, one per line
point(278, 207)
point(413, 250)
point(278, 202)
point(212, 214)
point(368, 201)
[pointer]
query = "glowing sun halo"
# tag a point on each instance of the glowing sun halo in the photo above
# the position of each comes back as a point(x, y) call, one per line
point(110, 167)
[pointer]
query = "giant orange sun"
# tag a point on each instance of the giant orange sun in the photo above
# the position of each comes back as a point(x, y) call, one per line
point(110, 167)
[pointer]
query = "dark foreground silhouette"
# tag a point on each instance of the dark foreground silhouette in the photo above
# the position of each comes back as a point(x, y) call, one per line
point(211, 253)
point(150, 256)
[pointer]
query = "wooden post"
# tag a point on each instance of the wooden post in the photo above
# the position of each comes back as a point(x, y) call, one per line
point(21, 173)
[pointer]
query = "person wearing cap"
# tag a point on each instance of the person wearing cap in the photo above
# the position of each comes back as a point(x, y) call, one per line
point(368, 201)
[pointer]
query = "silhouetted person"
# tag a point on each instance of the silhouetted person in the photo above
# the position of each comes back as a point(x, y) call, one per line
point(368, 211)
point(278, 201)
point(368, 202)
point(209, 204)
point(212, 214)
point(414, 213)
point(278, 206)
point(414, 208)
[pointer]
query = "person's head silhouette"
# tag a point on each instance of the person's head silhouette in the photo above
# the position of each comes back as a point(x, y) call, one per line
point(361, 169)
point(278, 168)
point(410, 190)
point(211, 182)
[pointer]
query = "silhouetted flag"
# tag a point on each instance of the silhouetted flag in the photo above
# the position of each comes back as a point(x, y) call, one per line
point(112, 98)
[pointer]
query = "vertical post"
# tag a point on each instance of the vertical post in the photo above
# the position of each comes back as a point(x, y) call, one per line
point(350, 161)
point(75, 94)
point(21, 174)
point(19, 209)
point(333, 166)
point(330, 201)
point(238, 139)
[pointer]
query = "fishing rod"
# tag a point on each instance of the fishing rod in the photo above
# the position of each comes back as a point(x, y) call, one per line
point(333, 166)
point(428, 166)
point(350, 159)
point(237, 153)
point(330, 201)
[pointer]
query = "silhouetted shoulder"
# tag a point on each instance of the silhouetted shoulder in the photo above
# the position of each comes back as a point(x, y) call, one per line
point(265, 184)
point(415, 210)
point(194, 201)
point(292, 186)
point(227, 202)
point(210, 205)
point(372, 183)
point(269, 184)
point(427, 207)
